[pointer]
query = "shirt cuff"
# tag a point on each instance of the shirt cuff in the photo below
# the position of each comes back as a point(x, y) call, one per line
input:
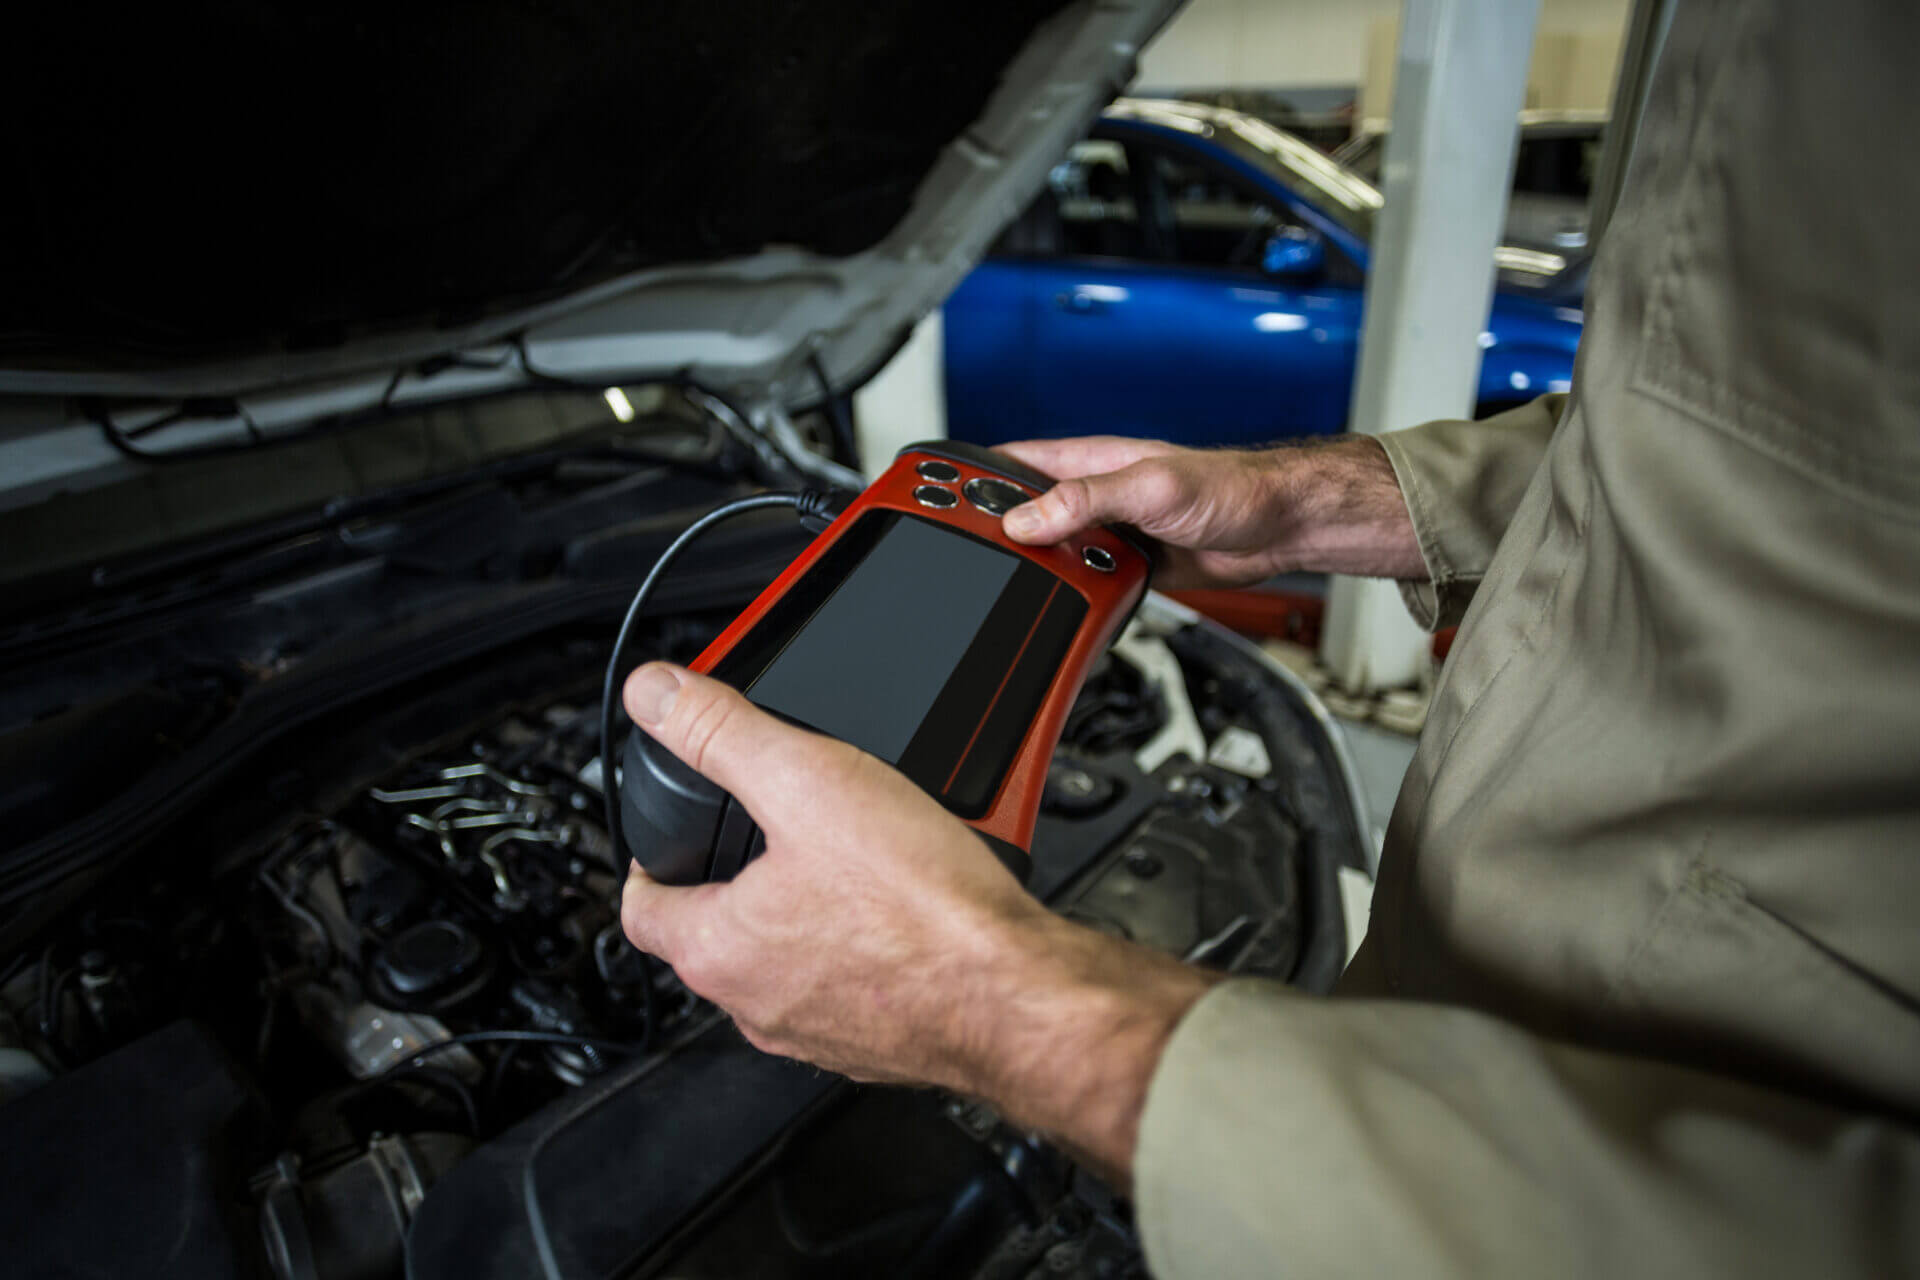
point(1462, 482)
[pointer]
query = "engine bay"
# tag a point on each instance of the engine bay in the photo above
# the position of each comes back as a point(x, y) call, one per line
point(386, 967)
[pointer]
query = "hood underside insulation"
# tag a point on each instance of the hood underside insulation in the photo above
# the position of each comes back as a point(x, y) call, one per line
point(212, 179)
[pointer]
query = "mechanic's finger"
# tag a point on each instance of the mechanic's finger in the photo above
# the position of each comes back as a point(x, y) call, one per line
point(1083, 455)
point(713, 728)
point(1138, 494)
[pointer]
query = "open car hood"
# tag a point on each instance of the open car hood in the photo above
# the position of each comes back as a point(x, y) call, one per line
point(290, 211)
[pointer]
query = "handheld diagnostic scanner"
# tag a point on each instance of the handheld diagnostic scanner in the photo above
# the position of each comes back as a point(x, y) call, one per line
point(915, 629)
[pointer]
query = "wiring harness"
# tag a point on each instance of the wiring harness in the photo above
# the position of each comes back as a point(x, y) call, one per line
point(816, 509)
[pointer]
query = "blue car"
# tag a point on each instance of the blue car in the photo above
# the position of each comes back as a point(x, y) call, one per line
point(1196, 274)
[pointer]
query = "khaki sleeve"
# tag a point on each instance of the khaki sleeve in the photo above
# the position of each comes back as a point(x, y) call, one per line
point(1462, 482)
point(1288, 1135)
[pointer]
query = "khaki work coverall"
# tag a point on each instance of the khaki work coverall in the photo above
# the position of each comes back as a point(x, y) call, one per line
point(1641, 991)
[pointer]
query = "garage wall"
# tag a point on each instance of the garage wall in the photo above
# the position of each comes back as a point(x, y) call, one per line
point(1263, 44)
point(906, 402)
point(1333, 45)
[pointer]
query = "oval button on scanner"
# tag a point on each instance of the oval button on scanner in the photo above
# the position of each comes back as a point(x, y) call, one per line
point(943, 472)
point(995, 497)
point(932, 495)
point(1098, 558)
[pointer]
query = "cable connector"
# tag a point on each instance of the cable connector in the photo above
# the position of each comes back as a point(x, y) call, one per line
point(818, 508)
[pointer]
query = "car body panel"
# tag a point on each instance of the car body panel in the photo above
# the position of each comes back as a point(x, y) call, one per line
point(1091, 350)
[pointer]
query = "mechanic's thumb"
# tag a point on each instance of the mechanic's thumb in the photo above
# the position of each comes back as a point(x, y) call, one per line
point(1081, 503)
point(654, 916)
point(709, 725)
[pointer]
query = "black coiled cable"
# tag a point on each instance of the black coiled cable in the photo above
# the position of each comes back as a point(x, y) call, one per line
point(816, 510)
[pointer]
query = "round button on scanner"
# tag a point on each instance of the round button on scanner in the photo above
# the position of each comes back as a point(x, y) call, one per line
point(995, 497)
point(1098, 558)
point(942, 472)
point(932, 495)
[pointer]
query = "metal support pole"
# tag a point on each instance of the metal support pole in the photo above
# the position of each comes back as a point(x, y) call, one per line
point(1458, 89)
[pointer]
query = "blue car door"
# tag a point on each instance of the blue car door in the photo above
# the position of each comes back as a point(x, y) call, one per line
point(1185, 306)
point(1083, 226)
point(988, 330)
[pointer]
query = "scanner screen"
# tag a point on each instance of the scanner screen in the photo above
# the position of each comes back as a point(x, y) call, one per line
point(867, 667)
point(925, 646)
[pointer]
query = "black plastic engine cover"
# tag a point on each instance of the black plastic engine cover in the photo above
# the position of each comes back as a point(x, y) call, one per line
point(594, 1188)
point(126, 1166)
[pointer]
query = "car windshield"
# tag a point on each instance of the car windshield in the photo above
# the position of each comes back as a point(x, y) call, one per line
point(1557, 164)
point(1347, 197)
point(1551, 161)
point(1336, 190)
point(1363, 156)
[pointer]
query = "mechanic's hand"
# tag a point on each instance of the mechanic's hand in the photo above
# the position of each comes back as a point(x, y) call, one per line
point(840, 943)
point(1227, 517)
point(878, 936)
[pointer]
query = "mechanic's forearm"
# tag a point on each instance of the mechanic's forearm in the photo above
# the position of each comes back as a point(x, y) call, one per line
point(1066, 1031)
point(1067, 1026)
point(1343, 511)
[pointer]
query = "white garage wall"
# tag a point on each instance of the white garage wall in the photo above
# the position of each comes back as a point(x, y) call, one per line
point(905, 402)
point(1254, 44)
point(1323, 44)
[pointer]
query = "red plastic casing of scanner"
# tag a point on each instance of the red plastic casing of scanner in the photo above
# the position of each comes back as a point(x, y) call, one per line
point(1110, 596)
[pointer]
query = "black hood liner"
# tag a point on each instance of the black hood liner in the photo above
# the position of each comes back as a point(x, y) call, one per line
point(205, 179)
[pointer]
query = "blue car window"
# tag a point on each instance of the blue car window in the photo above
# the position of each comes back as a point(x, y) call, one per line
point(1215, 222)
point(1557, 164)
point(1095, 194)
point(1209, 218)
